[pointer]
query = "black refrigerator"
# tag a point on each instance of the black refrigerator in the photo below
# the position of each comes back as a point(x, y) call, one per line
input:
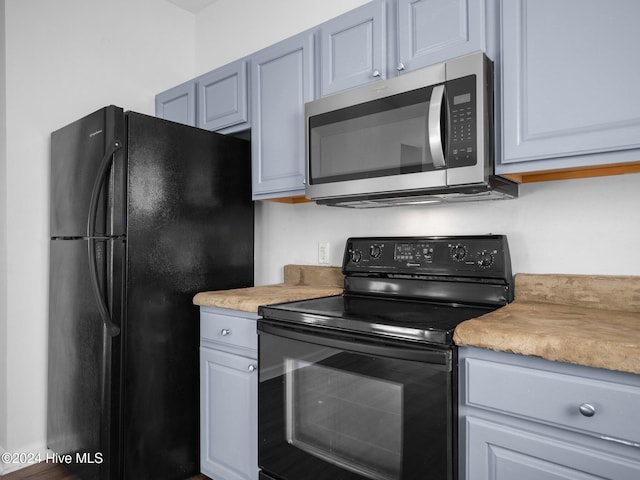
point(144, 214)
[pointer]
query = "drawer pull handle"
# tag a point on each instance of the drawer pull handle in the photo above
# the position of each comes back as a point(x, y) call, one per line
point(587, 410)
point(225, 332)
point(252, 368)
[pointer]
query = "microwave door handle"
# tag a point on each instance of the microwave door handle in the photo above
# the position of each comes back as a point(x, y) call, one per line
point(434, 130)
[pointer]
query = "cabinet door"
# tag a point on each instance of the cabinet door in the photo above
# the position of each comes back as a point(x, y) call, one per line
point(500, 452)
point(222, 98)
point(432, 31)
point(228, 416)
point(353, 48)
point(281, 83)
point(570, 91)
point(178, 104)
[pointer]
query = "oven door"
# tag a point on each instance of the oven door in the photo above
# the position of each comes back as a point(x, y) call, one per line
point(340, 408)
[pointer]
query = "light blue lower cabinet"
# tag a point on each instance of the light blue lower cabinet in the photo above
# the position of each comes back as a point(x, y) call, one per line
point(504, 451)
point(525, 418)
point(228, 394)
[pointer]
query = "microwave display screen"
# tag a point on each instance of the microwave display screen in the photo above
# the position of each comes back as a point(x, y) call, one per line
point(465, 98)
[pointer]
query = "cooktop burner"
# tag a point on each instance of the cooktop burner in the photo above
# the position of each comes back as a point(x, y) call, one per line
point(410, 288)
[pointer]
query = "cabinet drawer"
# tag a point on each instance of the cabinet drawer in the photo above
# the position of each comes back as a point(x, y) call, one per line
point(228, 330)
point(555, 398)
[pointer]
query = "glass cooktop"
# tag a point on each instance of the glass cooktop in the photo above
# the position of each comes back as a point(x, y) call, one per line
point(418, 321)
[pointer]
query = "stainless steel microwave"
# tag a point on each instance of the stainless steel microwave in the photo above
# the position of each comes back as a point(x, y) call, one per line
point(425, 136)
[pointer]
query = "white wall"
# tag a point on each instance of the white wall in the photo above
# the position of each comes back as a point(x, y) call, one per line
point(231, 29)
point(65, 59)
point(3, 238)
point(588, 226)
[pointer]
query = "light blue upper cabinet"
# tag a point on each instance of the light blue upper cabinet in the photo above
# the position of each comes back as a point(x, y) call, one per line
point(222, 98)
point(570, 95)
point(282, 80)
point(384, 38)
point(353, 48)
point(178, 104)
point(432, 31)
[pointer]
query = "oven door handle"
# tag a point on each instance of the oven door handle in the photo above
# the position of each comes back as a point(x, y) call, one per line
point(360, 344)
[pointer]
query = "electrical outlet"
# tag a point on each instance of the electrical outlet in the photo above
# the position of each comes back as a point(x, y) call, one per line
point(323, 253)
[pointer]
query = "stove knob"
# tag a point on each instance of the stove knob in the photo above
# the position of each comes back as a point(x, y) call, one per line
point(485, 259)
point(356, 256)
point(375, 251)
point(458, 252)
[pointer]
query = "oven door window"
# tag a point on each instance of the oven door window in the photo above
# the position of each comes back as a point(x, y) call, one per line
point(328, 412)
point(348, 419)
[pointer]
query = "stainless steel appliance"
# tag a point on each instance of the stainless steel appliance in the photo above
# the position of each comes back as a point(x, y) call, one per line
point(364, 385)
point(144, 214)
point(425, 136)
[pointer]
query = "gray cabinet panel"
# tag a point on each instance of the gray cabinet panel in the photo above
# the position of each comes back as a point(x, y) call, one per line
point(228, 394)
point(222, 97)
point(432, 31)
point(520, 419)
point(229, 415)
point(502, 452)
point(353, 48)
point(281, 82)
point(569, 78)
point(525, 392)
point(232, 332)
point(178, 104)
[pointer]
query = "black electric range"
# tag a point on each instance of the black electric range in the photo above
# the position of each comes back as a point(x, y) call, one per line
point(363, 385)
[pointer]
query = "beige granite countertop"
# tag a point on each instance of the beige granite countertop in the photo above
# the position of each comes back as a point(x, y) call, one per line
point(581, 319)
point(300, 282)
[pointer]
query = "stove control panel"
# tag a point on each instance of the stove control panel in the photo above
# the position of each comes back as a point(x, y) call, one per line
point(474, 256)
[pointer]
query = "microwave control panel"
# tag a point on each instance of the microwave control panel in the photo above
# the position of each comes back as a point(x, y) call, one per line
point(462, 119)
point(475, 256)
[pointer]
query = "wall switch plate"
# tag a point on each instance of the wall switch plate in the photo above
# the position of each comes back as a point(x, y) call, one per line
point(323, 253)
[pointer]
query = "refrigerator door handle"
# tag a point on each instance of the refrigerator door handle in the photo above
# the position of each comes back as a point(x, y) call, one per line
point(107, 160)
point(112, 329)
point(105, 164)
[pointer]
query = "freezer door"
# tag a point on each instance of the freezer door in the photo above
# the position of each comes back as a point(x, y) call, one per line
point(84, 359)
point(87, 162)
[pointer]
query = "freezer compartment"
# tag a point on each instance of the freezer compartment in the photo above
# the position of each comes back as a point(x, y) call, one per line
point(87, 160)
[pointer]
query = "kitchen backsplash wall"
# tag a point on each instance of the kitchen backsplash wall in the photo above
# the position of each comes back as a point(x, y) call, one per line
point(586, 226)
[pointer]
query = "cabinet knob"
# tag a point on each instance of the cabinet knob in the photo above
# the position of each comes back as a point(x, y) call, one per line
point(587, 410)
point(400, 67)
point(251, 368)
point(376, 73)
point(225, 332)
